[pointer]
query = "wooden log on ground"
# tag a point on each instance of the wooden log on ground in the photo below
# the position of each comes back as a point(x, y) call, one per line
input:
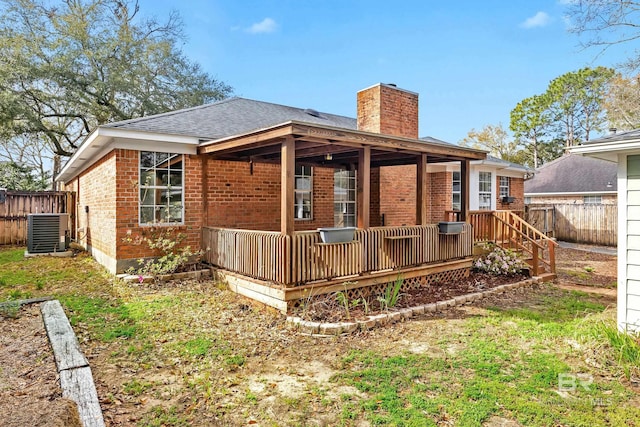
point(76, 379)
point(77, 385)
point(66, 348)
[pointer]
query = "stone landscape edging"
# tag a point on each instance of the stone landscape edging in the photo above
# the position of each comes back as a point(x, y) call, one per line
point(374, 321)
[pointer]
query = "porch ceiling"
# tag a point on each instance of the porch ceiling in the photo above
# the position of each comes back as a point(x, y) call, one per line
point(314, 143)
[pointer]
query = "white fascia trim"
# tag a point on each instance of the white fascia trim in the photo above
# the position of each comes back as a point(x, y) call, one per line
point(575, 193)
point(609, 151)
point(102, 140)
point(633, 144)
point(498, 168)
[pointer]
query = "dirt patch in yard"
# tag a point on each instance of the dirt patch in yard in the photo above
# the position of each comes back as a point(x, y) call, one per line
point(585, 268)
point(29, 390)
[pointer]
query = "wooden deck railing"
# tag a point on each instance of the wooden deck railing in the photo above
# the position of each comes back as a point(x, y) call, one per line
point(303, 258)
point(511, 231)
point(261, 254)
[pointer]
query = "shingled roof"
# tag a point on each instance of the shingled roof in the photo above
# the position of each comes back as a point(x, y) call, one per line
point(228, 117)
point(573, 173)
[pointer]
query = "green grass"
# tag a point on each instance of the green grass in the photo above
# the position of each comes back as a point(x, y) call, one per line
point(501, 371)
point(554, 309)
point(179, 355)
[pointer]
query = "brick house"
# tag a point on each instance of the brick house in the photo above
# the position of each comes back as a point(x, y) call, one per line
point(241, 164)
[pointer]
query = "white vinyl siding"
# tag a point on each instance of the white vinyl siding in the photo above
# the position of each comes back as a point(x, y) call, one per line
point(633, 242)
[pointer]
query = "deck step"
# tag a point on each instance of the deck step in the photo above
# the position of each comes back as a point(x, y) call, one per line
point(548, 277)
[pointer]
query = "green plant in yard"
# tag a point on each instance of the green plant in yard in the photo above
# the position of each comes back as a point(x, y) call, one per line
point(343, 299)
point(500, 261)
point(589, 269)
point(10, 309)
point(625, 346)
point(166, 242)
point(391, 294)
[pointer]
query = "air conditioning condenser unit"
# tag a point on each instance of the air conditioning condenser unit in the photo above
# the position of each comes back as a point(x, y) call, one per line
point(46, 233)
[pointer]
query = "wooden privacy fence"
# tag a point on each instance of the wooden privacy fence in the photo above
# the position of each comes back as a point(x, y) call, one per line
point(15, 206)
point(301, 258)
point(580, 223)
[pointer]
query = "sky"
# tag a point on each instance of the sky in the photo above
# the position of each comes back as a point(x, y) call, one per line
point(470, 61)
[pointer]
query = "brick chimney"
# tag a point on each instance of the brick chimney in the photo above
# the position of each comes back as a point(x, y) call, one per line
point(383, 108)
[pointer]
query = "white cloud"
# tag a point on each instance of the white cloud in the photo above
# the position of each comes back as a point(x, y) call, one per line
point(540, 19)
point(267, 25)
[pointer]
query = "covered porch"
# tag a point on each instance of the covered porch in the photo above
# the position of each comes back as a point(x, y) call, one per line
point(282, 267)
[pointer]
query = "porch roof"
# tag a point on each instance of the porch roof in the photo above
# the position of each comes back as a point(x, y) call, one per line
point(328, 145)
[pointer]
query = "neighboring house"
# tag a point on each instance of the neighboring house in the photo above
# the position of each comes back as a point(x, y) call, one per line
point(573, 179)
point(624, 149)
point(241, 164)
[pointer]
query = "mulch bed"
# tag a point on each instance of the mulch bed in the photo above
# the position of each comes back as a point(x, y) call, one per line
point(329, 308)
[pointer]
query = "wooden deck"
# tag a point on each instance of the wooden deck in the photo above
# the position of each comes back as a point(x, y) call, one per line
point(278, 269)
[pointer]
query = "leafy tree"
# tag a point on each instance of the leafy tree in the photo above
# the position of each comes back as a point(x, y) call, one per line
point(69, 66)
point(577, 102)
point(17, 177)
point(530, 123)
point(623, 103)
point(496, 140)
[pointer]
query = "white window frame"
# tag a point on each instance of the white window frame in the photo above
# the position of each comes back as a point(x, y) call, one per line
point(455, 193)
point(298, 204)
point(157, 189)
point(341, 205)
point(592, 199)
point(485, 193)
point(505, 186)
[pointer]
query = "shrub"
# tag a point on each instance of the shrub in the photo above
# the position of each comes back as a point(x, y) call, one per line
point(165, 242)
point(500, 262)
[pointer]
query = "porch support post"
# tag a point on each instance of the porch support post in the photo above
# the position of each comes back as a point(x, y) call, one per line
point(364, 186)
point(464, 189)
point(287, 188)
point(421, 191)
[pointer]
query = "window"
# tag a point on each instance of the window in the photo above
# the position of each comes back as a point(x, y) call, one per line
point(484, 190)
point(161, 190)
point(593, 200)
point(303, 192)
point(527, 200)
point(504, 186)
point(344, 198)
point(455, 192)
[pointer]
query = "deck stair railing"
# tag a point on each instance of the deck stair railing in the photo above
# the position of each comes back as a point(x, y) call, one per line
point(509, 230)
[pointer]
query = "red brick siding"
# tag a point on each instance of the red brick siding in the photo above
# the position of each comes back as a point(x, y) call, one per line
point(375, 218)
point(127, 201)
point(388, 110)
point(238, 199)
point(440, 195)
point(516, 189)
point(398, 195)
point(96, 190)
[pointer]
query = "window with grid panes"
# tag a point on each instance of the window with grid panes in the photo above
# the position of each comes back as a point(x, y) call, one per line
point(303, 192)
point(161, 188)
